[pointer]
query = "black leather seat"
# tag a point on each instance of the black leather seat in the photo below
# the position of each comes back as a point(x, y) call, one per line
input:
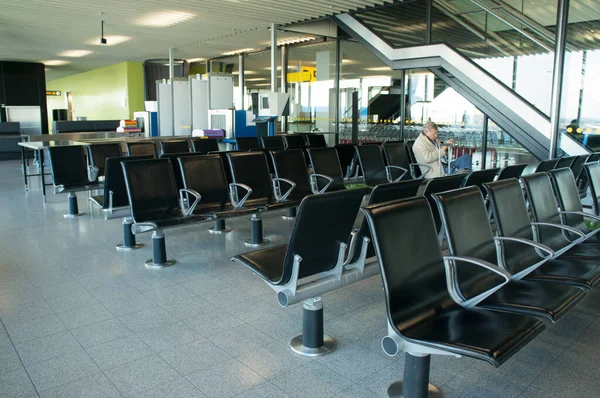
point(327, 169)
point(70, 170)
point(174, 146)
point(441, 184)
point(226, 167)
point(272, 143)
point(419, 308)
point(146, 148)
point(98, 153)
point(577, 166)
point(546, 165)
point(290, 165)
point(374, 170)
point(348, 160)
point(565, 161)
point(251, 169)
point(512, 220)
point(511, 171)
point(469, 235)
point(316, 140)
point(592, 172)
point(203, 146)
point(396, 154)
point(477, 178)
point(247, 143)
point(582, 181)
point(294, 141)
point(175, 164)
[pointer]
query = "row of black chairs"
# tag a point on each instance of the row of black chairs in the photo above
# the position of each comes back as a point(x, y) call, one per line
point(575, 163)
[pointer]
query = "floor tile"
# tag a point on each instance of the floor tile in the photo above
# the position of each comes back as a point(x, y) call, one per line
point(272, 360)
point(44, 348)
point(72, 302)
point(168, 294)
point(189, 308)
point(195, 356)
point(226, 379)
point(101, 332)
point(20, 298)
point(16, 384)
point(9, 360)
point(356, 391)
point(483, 380)
point(264, 390)
point(119, 352)
point(85, 316)
point(312, 380)
point(147, 319)
point(240, 340)
point(35, 328)
point(95, 386)
point(62, 370)
point(25, 312)
point(213, 322)
point(141, 375)
point(168, 336)
point(180, 388)
point(129, 304)
point(62, 289)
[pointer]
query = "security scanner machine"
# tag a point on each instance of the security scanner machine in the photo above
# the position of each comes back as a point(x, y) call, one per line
point(267, 107)
point(174, 112)
point(211, 99)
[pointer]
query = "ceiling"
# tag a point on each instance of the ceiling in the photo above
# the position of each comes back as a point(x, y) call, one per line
point(39, 30)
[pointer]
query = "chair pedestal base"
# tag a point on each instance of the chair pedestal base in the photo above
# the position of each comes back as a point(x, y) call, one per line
point(313, 342)
point(73, 207)
point(395, 390)
point(219, 228)
point(159, 252)
point(291, 213)
point(256, 233)
point(416, 379)
point(129, 242)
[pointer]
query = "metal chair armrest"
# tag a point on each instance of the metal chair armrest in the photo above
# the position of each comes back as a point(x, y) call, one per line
point(412, 169)
point(190, 210)
point(388, 173)
point(565, 227)
point(581, 213)
point(233, 194)
point(313, 178)
point(287, 193)
point(528, 242)
point(93, 172)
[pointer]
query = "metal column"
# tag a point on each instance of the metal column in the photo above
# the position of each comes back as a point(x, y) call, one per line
point(428, 21)
point(284, 88)
point(355, 117)
point(171, 64)
point(273, 58)
point(402, 104)
point(241, 69)
point(484, 138)
point(562, 19)
point(338, 62)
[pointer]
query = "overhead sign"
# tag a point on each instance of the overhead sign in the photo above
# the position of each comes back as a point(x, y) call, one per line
point(54, 93)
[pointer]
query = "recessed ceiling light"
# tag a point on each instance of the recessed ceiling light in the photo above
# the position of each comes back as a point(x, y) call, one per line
point(110, 40)
point(293, 40)
point(256, 79)
point(379, 68)
point(195, 60)
point(75, 53)
point(249, 72)
point(348, 61)
point(269, 68)
point(161, 19)
point(55, 62)
point(236, 52)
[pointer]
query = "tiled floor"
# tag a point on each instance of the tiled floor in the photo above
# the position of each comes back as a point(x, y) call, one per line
point(80, 319)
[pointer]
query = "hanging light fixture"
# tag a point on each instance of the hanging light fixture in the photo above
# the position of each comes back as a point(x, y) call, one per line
point(102, 39)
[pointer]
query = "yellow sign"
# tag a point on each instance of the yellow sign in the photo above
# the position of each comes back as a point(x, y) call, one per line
point(308, 74)
point(54, 93)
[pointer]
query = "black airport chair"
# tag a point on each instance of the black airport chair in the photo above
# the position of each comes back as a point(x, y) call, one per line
point(592, 173)
point(327, 172)
point(582, 181)
point(175, 164)
point(247, 143)
point(396, 154)
point(294, 141)
point(477, 178)
point(316, 140)
point(168, 147)
point(70, 174)
point(420, 310)
point(474, 274)
point(226, 167)
point(206, 175)
point(203, 146)
point(512, 221)
point(98, 153)
point(546, 165)
point(315, 253)
point(272, 143)
point(374, 170)
point(348, 160)
point(511, 171)
point(146, 148)
point(567, 195)
point(441, 184)
point(156, 204)
point(290, 166)
point(565, 161)
point(577, 166)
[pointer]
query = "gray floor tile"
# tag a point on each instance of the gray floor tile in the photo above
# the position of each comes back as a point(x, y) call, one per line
point(85, 316)
point(279, 324)
point(62, 370)
point(4, 339)
point(356, 391)
point(312, 380)
point(264, 390)
point(62, 289)
point(72, 302)
point(147, 284)
point(226, 379)
point(169, 294)
point(25, 312)
point(129, 304)
point(483, 380)
point(95, 386)
point(9, 360)
point(36, 328)
point(250, 310)
point(147, 319)
point(272, 360)
point(240, 340)
point(213, 322)
point(204, 284)
point(16, 384)
point(180, 388)
point(15, 286)
point(563, 381)
point(141, 375)
point(195, 356)
point(168, 336)
point(119, 352)
point(44, 348)
point(113, 291)
point(345, 358)
point(189, 308)
point(20, 298)
point(101, 332)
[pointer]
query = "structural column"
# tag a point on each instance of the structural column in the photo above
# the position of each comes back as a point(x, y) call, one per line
point(241, 82)
point(273, 58)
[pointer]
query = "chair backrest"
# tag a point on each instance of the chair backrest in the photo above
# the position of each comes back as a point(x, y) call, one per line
point(414, 281)
point(546, 165)
point(477, 178)
point(325, 161)
point(567, 194)
point(322, 224)
point(577, 166)
point(247, 143)
point(145, 148)
point(250, 168)
point(175, 164)
point(397, 155)
point(98, 153)
point(592, 172)
point(371, 163)
point(316, 140)
point(69, 165)
point(223, 155)
point(272, 143)
point(565, 161)
point(468, 233)
point(174, 146)
point(205, 145)
point(385, 193)
point(347, 155)
point(441, 184)
point(114, 181)
point(411, 153)
point(511, 171)
point(294, 141)
point(543, 205)
point(290, 164)
point(582, 181)
point(151, 190)
point(206, 175)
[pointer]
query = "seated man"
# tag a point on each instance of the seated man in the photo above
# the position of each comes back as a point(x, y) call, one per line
point(427, 152)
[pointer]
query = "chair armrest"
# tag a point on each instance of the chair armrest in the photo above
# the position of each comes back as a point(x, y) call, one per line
point(388, 173)
point(351, 246)
point(581, 213)
point(528, 242)
point(313, 179)
point(564, 227)
point(454, 287)
point(287, 193)
point(93, 172)
point(412, 169)
point(190, 210)
point(530, 267)
point(233, 194)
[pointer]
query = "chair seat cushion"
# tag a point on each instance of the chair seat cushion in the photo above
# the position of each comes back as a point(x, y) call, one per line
point(550, 300)
point(583, 250)
point(486, 335)
point(578, 272)
point(266, 263)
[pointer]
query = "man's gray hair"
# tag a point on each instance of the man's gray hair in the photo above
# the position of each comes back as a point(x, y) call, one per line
point(429, 126)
